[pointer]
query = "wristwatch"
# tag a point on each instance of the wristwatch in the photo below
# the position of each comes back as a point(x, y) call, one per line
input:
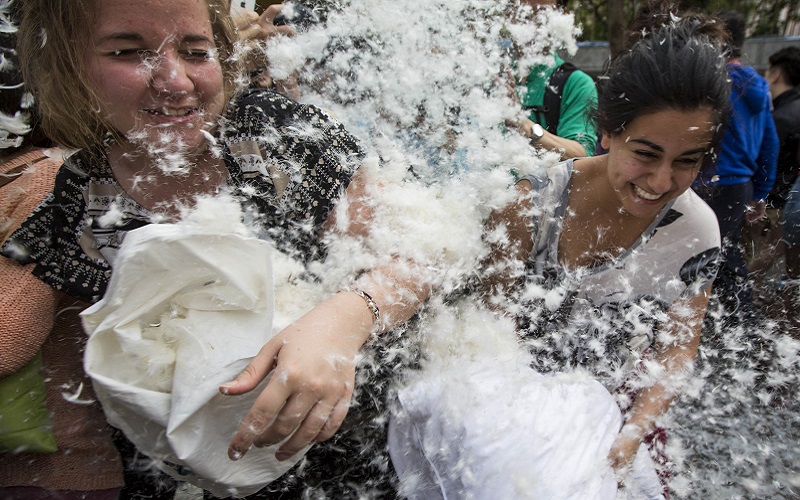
point(537, 132)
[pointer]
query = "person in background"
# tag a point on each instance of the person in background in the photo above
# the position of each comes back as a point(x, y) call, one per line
point(783, 76)
point(745, 171)
point(254, 29)
point(557, 99)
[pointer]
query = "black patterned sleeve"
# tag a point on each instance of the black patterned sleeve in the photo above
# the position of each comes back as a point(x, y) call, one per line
point(51, 238)
point(294, 159)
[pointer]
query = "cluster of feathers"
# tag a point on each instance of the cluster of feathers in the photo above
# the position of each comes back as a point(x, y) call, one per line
point(422, 84)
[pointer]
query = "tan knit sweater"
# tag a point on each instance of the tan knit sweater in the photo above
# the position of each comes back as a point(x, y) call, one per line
point(29, 320)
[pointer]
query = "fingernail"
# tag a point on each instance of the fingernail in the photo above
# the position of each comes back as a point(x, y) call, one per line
point(235, 454)
point(226, 387)
point(282, 455)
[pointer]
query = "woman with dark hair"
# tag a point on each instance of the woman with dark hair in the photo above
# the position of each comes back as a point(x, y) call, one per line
point(607, 266)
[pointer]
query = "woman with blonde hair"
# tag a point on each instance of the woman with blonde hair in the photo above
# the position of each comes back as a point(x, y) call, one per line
point(146, 92)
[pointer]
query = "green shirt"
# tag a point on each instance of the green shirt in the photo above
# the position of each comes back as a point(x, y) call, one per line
point(579, 96)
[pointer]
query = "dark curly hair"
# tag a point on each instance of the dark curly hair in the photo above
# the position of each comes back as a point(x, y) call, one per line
point(678, 64)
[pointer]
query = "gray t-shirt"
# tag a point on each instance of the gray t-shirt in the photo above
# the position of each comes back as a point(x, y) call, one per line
point(604, 318)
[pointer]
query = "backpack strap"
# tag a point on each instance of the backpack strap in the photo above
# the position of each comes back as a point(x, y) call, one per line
point(550, 110)
point(553, 92)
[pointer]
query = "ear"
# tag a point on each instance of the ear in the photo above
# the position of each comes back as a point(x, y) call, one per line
point(605, 140)
point(773, 75)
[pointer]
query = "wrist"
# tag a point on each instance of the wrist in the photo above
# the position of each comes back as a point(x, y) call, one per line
point(537, 132)
point(376, 321)
point(633, 431)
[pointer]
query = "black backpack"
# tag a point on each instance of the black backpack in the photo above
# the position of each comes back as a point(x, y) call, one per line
point(550, 109)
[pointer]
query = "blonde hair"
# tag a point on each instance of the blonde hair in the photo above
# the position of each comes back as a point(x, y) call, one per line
point(52, 42)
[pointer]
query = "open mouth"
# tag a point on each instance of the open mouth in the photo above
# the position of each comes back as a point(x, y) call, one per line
point(171, 111)
point(641, 193)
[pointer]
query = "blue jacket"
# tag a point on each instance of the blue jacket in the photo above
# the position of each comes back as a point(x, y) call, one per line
point(749, 149)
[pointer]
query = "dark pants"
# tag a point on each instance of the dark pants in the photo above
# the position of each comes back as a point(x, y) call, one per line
point(732, 286)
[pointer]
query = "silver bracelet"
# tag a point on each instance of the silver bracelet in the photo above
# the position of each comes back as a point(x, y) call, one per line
point(373, 307)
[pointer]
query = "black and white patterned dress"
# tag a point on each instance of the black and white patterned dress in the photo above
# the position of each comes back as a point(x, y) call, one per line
point(287, 162)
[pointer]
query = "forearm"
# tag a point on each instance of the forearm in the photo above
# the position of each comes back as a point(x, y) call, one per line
point(677, 348)
point(507, 234)
point(398, 289)
point(394, 293)
point(674, 367)
point(650, 404)
point(568, 148)
point(767, 161)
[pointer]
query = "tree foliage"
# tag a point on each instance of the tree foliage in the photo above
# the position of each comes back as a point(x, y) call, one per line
point(765, 17)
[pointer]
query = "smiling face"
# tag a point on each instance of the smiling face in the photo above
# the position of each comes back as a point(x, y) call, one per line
point(153, 65)
point(657, 158)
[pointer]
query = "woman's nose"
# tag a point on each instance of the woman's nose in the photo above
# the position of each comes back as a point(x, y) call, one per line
point(661, 179)
point(169, 74)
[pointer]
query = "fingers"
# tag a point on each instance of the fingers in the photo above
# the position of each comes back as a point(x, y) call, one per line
point(266, 21)
point(334, 420)
point(751, 218)
point(256, 371)
point(281, 411)
point(263, 80)
point(289, 87)
point(291, 416)
point(249, 32)
point(270, 12)
point(320, 424)
point(261, 416)
point(306, 434)
point(252, 26)
point(245, 19)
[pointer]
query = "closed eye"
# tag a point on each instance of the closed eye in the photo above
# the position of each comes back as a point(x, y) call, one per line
point(136, 54)
point(646, 154)
point(197, 54)
point(687, 162)
point(128, 52)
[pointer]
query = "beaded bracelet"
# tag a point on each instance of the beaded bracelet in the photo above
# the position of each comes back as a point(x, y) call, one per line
point(373, 307)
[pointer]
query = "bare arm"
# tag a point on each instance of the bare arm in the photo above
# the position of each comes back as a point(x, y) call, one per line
point(509, 238)
point(676, 354)
point(313, 360)
point(566, 147)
